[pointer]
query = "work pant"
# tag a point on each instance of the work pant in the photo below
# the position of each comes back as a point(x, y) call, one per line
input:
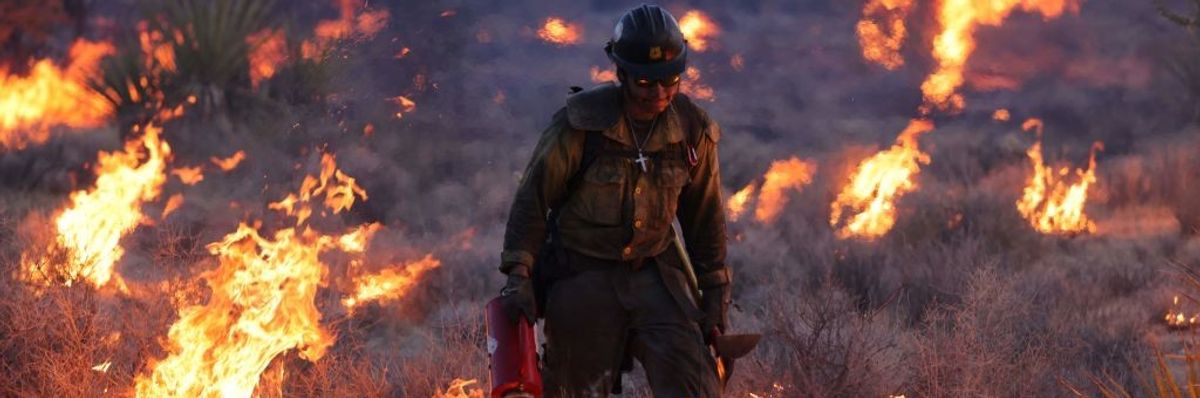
point(593, 316)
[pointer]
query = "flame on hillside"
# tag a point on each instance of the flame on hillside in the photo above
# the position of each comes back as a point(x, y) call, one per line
point(350, 25)
point(460, 388)
point(882, 179)
point(738, 201)
point(868, 200)
point(881, 32)
point(954, 44)
point(263, 299)
point(792, 174)
point(389, 284)
point(189, 175)
point(50, 95)
point(268, 52)
point(1175, 317)
point(698, 28)
point(603, 75)
point(229, 163)
point(559, 32)
point(1049, 203)
point(694, 87)
point(91, 228)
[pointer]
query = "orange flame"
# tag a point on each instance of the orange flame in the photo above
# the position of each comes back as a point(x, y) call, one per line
point(458, 389)
point(157, 49)
point(737, 202)
point(1177, 319)
point(876, 183)
point(955, 43)
point(1050, 204)
point(48, 96)
point(348, 26)
point(694, 87)
point(698, 29)
point(189, 175)
point(262, 302)
point(229, 163)
point(603, 75)
point(783, 175)
point(1002, 115)
point(559, 32)
point(92, 227)
point(388, 284)
point(406, 105)
point(269, 50)
point(173, 203)
point(791, 174)
point(881, 32)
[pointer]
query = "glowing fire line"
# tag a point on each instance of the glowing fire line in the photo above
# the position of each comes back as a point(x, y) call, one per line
point(262, 302)
point(1050, 204)
point(92, 227)
point(49, 96)
point(876, 184)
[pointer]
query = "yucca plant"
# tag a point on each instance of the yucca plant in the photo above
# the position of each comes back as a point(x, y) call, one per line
point(210, 58)
point(209, 39)
point(120, 82)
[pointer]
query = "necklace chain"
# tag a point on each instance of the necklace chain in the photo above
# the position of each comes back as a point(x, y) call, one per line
point(649, 132)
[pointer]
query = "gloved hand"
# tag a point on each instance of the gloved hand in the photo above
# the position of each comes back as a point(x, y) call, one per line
point(715, 304)
point(517, 297)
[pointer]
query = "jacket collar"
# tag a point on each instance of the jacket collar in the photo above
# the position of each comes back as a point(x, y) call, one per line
point(599, 109)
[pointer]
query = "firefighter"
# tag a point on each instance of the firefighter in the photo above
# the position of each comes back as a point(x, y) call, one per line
point(589, 239)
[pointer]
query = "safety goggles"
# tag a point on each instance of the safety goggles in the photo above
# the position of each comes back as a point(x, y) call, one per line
point(666, 82)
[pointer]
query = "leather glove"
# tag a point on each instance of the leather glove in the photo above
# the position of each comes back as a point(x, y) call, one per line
point(715, 303)
point(517, 298)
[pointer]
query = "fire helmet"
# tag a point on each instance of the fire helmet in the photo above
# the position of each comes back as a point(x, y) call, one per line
point(647, 43)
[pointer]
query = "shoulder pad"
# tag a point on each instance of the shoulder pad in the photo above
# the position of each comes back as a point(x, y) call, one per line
point(595, 109)
point(697, 116)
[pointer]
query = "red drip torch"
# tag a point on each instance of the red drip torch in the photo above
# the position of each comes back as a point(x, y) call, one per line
point(512, 349)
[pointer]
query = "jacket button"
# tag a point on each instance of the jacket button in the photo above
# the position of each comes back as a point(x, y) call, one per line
point(628, 250)
point(637, 224)
point(637, 191)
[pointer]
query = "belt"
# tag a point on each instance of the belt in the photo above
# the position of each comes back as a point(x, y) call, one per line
point(582, 262)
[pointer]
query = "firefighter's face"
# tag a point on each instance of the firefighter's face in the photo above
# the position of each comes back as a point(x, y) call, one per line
point(646, 98)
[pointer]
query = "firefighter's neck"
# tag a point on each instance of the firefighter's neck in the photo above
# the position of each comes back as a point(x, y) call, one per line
point(639, 115)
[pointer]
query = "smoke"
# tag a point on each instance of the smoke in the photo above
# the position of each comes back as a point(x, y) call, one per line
point(441, 177)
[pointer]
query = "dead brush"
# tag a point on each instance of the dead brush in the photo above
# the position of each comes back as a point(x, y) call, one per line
point(1165, 376)
point(50, 342)
point(829, 346)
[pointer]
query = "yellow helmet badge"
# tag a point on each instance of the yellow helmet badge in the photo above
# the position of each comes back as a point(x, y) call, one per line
point(655, 53)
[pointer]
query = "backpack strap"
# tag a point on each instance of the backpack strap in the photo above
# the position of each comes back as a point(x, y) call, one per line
point(593, 143)
point(553, 256)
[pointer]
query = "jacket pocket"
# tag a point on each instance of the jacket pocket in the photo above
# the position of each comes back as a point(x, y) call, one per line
point(601, 197)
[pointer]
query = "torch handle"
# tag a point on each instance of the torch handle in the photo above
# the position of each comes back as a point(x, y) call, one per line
point(688, 268)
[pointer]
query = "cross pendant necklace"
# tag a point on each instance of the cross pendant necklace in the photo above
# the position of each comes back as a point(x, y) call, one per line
point(641, 159)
